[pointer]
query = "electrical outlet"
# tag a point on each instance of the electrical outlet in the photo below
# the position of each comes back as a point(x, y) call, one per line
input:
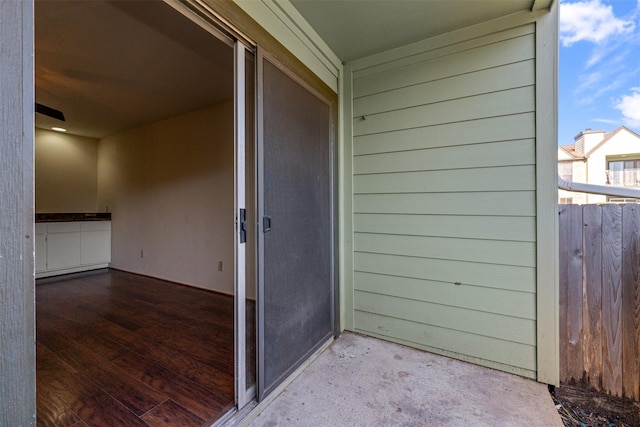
point(219, 265)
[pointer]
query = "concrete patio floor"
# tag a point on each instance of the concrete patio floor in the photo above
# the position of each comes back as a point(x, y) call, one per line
point(364, 381)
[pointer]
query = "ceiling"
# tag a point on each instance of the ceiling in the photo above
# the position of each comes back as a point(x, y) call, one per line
point(115, 65)
point(357, 28)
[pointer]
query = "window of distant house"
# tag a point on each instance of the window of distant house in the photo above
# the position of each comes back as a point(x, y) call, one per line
point(565, 170)
point(622, 200)
point(624, 173)
point(566, 200)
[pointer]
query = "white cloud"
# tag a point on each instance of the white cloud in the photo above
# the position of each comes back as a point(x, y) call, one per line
point(588, 81)
point(596, 57)
point(629, 106)
point(591, 21)
point(594, 85)
point(607, 121)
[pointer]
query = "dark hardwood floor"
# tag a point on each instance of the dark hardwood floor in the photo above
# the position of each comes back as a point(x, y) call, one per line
point(118, 349)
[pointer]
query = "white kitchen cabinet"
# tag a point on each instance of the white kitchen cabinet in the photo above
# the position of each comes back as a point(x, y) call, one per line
point(69, 247)
point(95, 242)
point(63, 250)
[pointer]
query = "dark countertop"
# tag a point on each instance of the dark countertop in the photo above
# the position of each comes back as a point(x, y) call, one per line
point(73, 216)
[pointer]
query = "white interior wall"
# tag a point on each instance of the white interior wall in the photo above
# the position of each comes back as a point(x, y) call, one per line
point(170, 188)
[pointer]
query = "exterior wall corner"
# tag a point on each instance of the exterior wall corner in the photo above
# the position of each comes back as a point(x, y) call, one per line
point(547, 296)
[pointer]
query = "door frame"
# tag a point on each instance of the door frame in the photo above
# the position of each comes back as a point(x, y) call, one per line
point(240, 345)
point(204, 16)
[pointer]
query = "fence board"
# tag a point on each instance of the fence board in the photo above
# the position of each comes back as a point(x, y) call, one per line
point(573, 216)
point(563, 233)
point(592, 299)
point(631, 301)
point(612, 299)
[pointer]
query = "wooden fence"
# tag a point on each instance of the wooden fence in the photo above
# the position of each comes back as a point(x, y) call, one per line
point(600, 297)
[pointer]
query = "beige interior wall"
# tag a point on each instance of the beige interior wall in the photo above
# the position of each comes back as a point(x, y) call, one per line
point(170, 188)
point(65, 172)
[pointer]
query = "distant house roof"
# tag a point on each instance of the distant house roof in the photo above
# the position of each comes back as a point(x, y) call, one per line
point(605, 139)
point(571, 151)
point(574, 155)
point(609, 136)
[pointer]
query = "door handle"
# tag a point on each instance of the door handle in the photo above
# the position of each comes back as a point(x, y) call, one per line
point(266, 224)
point(243, 226)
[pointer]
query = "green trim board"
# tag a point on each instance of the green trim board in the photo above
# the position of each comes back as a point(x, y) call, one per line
point(547, 282)
point(286, 24)
point(346, 201)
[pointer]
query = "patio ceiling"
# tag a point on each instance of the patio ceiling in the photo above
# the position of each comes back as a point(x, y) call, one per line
point(357, 28)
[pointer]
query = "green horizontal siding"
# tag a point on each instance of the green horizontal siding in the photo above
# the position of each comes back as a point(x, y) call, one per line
point(468, 61)
point(444, 200)
point(484, 251)
point(507, 178)
point(496, 276)
point(496, 79)
point(521, 229)
point(503, 103)
point(499, 301)
point(449, 135)
point(514, 329)
point(368, 66)
point(464, 345)
point(492, 154)
point(500, 203)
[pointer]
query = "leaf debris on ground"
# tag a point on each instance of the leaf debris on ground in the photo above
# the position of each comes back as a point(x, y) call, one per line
point(581, 407)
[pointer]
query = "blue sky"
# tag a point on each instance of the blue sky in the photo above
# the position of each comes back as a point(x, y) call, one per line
point(599, 83)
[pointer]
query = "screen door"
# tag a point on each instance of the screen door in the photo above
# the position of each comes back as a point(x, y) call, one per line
point(295, 283)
